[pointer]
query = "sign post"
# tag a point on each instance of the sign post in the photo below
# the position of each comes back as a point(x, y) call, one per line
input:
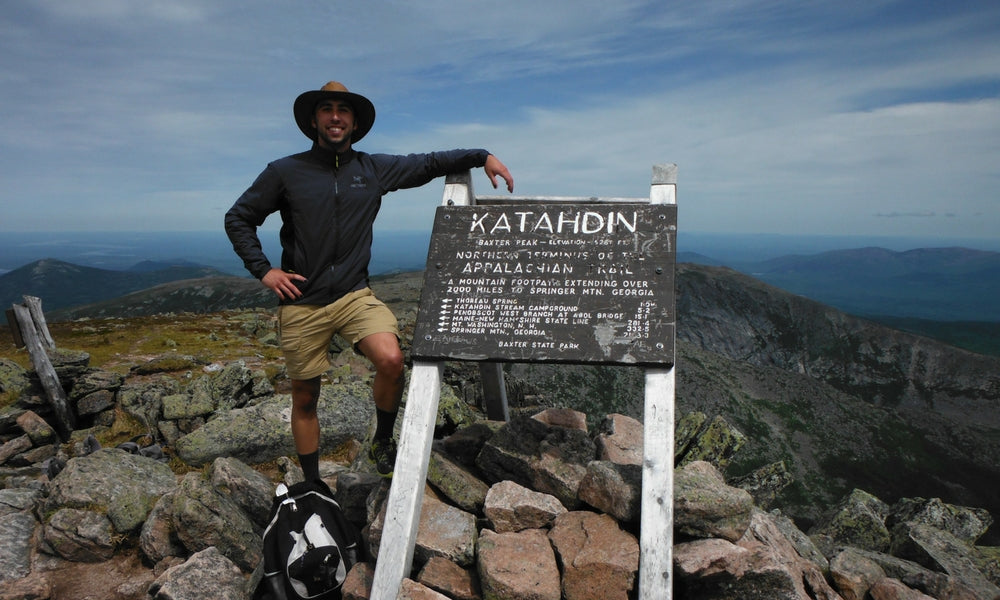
point(559, 280)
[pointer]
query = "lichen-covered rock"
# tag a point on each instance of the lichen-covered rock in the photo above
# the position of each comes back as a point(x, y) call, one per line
point(939, 550)
point(126, 485)
point(13, 377)
point(859, 520)
point(965, 523)
point(80, 535)
point(613, 488)
point(261, 432)
point(158, 538)
point(17, 530)
point(715, 444)
point(249, 489)
point(705, 507)
point(203, 518)
point(552, 460)
point(765, 483)
point(461, 487)
point(207, 574)
point(144, 400)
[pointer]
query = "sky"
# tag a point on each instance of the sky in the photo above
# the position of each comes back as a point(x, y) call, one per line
point(784, 117)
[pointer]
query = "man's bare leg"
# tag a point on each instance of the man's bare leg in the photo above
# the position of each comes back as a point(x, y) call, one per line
point(382, 349)
point(387, 390)
point(305, 424)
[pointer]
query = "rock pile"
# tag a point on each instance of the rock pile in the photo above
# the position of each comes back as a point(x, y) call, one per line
point(539, 507)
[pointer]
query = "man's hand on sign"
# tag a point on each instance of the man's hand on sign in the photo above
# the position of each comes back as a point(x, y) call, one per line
point(494, 167)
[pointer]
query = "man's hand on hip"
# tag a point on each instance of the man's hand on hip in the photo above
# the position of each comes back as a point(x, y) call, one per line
point(282, 283)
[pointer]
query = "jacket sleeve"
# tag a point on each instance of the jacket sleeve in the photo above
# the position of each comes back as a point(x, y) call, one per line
point(415, 170)
point(262, 198)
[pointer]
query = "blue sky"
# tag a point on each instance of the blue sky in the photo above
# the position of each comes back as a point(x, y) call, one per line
point(846, 118)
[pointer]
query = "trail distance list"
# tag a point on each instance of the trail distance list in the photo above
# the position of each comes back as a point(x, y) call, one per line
point(550, 283)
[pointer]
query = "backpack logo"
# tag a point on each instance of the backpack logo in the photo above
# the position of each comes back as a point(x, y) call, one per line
point(314, 564)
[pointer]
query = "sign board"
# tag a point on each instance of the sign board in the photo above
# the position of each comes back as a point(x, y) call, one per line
point(572, 283)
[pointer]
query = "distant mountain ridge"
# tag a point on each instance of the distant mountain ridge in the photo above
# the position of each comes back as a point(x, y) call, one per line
point(941, 284)
point(61, 284)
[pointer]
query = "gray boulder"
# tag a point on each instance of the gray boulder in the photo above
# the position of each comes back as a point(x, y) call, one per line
point(80, 535)
point(13, 377)
point(203, 518)
point(552, 460)
point(16, 500)
point(965, 523)
point(705, 507)
point(127, 484)
point(761, 565)
point(233, 386)
point(249, 489)
point(859, 521)
point(144, 400)
point(460, 486)
point(17, 530)
point(95, 381)
point(158, 538)
point(613, 488)
point(939, 550)
point(207, 574)
point(261, 432)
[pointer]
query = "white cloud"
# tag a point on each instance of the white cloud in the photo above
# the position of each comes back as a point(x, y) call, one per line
point(800, 117)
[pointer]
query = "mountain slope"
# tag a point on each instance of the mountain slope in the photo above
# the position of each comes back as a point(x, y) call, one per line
point(61, 284)
point(932, 411)
point(843, 401)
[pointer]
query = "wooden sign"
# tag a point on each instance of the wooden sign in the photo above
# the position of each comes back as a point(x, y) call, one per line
point(590, 283)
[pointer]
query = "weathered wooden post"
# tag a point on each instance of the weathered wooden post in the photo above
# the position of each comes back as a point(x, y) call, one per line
point(551, 279)
point(35, 335)
point(656, 533)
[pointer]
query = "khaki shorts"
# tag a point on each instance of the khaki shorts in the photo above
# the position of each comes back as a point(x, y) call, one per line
point(305, 330)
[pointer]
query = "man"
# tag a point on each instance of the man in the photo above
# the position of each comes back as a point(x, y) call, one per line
point(328, 198)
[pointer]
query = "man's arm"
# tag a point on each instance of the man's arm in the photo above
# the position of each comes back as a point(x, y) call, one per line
point(493, 168)
point(242, 221)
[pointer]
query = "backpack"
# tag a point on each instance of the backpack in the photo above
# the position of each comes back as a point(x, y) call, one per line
point(309, 545)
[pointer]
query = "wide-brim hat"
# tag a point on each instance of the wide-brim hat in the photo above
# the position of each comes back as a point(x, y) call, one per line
point(305, 109)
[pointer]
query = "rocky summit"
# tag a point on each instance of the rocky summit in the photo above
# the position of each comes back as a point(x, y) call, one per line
point(162, 490)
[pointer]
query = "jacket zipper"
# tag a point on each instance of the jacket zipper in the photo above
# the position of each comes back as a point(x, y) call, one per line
point(336, 199)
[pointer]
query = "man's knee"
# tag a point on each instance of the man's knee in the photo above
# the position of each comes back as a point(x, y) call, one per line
point(305, 394)
point(389, 362)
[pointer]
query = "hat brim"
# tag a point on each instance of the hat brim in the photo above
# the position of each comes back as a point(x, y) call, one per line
point(305, 109)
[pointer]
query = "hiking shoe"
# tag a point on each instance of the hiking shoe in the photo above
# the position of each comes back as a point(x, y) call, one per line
point(383, 454)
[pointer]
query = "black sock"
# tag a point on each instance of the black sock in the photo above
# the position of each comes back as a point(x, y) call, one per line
point(310, 465)
point(384, 423)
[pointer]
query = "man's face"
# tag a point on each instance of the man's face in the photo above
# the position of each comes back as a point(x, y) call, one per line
point(334, 123)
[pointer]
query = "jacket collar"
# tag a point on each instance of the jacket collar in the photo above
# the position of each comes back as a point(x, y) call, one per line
point(329, 157)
